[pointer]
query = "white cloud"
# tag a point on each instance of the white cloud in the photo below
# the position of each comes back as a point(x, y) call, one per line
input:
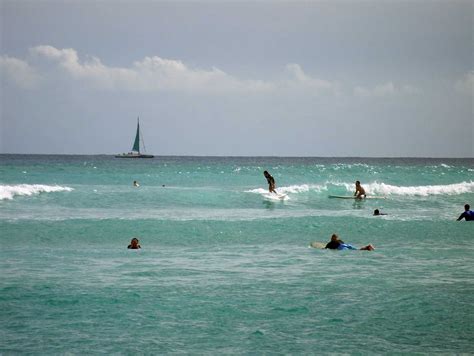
point(18, 71)
point(466, 84)
point(149, 74)
point(385, 90)
point(160, 74)
point(156, 73)
point(299, 79)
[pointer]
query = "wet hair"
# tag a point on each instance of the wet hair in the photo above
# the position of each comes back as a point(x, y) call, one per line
point(334, 237)
point(357, 182)
point(376, 212)
point(467, 207)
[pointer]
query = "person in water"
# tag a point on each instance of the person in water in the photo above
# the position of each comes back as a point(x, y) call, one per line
point(135, 183)
point(360, 192)
point(271, 182)
point(468, 214)
point(378, 213)
point(338, 244)
point(134, 244)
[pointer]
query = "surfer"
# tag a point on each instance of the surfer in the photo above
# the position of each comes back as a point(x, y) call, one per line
point(467, 214)
point(337, 244)
point(134, 244)
point(135, 184)
point(360, 192)
point(271, 182)
point(378, 213)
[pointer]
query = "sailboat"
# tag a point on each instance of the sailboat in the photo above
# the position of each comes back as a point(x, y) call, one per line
point(136, 146)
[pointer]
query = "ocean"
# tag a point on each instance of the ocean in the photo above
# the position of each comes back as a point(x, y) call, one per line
point(225, 268)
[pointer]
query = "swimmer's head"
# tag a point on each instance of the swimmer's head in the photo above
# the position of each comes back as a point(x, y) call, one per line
point(334, 237)
point(376, 212)
point(467, 207)
point(357, 182)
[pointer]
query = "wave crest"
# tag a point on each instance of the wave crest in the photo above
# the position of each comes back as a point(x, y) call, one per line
point(7, 192)
point(424, 190)
point(291, 189)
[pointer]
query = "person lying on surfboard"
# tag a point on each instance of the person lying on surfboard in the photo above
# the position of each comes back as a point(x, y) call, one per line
point(337, 244)
point(360, 192)
point(271, 182)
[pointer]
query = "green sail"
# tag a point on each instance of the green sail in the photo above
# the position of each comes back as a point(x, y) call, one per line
point(136, 144)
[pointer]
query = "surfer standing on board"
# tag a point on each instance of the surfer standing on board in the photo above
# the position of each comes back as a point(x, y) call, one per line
point(360, 192)
point(271, 182)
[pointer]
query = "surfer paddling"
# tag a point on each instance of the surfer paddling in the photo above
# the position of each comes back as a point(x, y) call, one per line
point(360, 192)
point(271, 182)
point(337, 244)
point(467, 214)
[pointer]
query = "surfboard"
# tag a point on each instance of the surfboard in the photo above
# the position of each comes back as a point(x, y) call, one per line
point(353, 197)
point(315, 244)
point(277, 196)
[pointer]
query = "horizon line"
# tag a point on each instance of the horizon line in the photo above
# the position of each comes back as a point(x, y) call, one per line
point(230, 156)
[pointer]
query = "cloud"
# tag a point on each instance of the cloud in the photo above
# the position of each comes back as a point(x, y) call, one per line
point(18, 72)
point(160, 74)
point(149, 74)
point(466, 84)
point(385, 90)
point(299, 79)
point(50, 64)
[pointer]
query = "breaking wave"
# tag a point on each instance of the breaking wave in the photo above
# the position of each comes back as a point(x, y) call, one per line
point(7, 192)
point(376, 188)
point(424, 190)
point(292, 189)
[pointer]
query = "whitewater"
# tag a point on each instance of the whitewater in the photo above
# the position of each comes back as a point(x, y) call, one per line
point(224, 267)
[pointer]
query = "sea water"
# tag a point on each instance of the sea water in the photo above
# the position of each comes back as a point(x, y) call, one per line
point(227, 269)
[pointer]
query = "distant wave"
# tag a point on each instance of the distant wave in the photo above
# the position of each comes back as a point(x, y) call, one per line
point(423, 190)
point(378, 189)
point(291, 189)
point(7, 192)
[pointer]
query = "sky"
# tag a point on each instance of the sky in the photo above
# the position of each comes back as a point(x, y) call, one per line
point(254, 78)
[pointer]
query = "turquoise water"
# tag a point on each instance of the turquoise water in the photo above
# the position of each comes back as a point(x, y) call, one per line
point(225, 268)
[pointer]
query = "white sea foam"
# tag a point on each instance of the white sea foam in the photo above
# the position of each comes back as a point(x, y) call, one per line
point(7, 192)
point(292, 189)
point(424, 190)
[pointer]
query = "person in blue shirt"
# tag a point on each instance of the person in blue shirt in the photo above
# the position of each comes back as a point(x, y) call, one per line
point(468, 214)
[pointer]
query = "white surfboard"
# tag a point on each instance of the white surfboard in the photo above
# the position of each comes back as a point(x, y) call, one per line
point(277, 196)
point(319, 245)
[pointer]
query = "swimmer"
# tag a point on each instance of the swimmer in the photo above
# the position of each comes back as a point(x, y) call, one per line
point(378, 213)
point(467, 214)
point(271, 182)
point(337, 244)
point(134, 244)
point(135, 184)
point(360, 192)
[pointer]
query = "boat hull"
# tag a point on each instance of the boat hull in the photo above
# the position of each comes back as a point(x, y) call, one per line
point(134, 156)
